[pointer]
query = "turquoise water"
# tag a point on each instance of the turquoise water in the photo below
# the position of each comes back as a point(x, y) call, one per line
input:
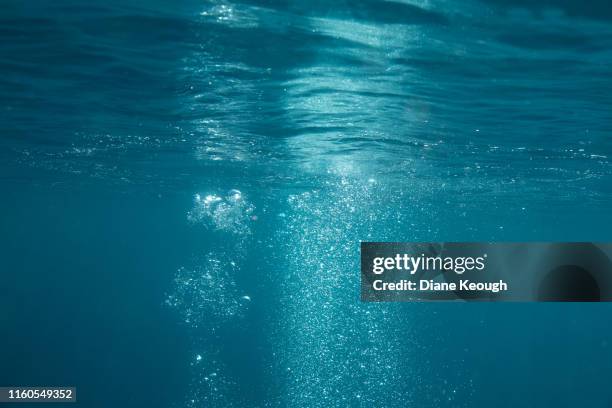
point(185, 186)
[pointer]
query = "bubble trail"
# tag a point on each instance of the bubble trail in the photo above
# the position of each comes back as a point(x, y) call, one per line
point(208, 297)
point(334, 350)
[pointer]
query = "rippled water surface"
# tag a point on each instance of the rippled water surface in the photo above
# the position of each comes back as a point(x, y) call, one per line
point(185, 186)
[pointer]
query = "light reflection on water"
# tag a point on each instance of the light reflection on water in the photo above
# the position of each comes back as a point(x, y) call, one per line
point(301, 128)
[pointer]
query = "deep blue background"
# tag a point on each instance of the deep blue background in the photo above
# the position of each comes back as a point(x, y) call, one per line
point(388, 121)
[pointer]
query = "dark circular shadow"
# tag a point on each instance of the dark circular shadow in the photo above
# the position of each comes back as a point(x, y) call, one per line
point(569, 283)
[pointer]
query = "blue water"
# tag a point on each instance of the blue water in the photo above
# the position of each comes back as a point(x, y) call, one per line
point(185, 186)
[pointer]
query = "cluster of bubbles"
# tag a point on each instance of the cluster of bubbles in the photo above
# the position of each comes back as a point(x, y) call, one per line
point(207, 295)
point(231, 213)
point(346, 341)
point(331, 348)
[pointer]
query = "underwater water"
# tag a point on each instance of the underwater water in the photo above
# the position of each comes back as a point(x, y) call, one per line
point(185, 186)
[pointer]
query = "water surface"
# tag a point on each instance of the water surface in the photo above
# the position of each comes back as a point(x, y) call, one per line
point(185, 187)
